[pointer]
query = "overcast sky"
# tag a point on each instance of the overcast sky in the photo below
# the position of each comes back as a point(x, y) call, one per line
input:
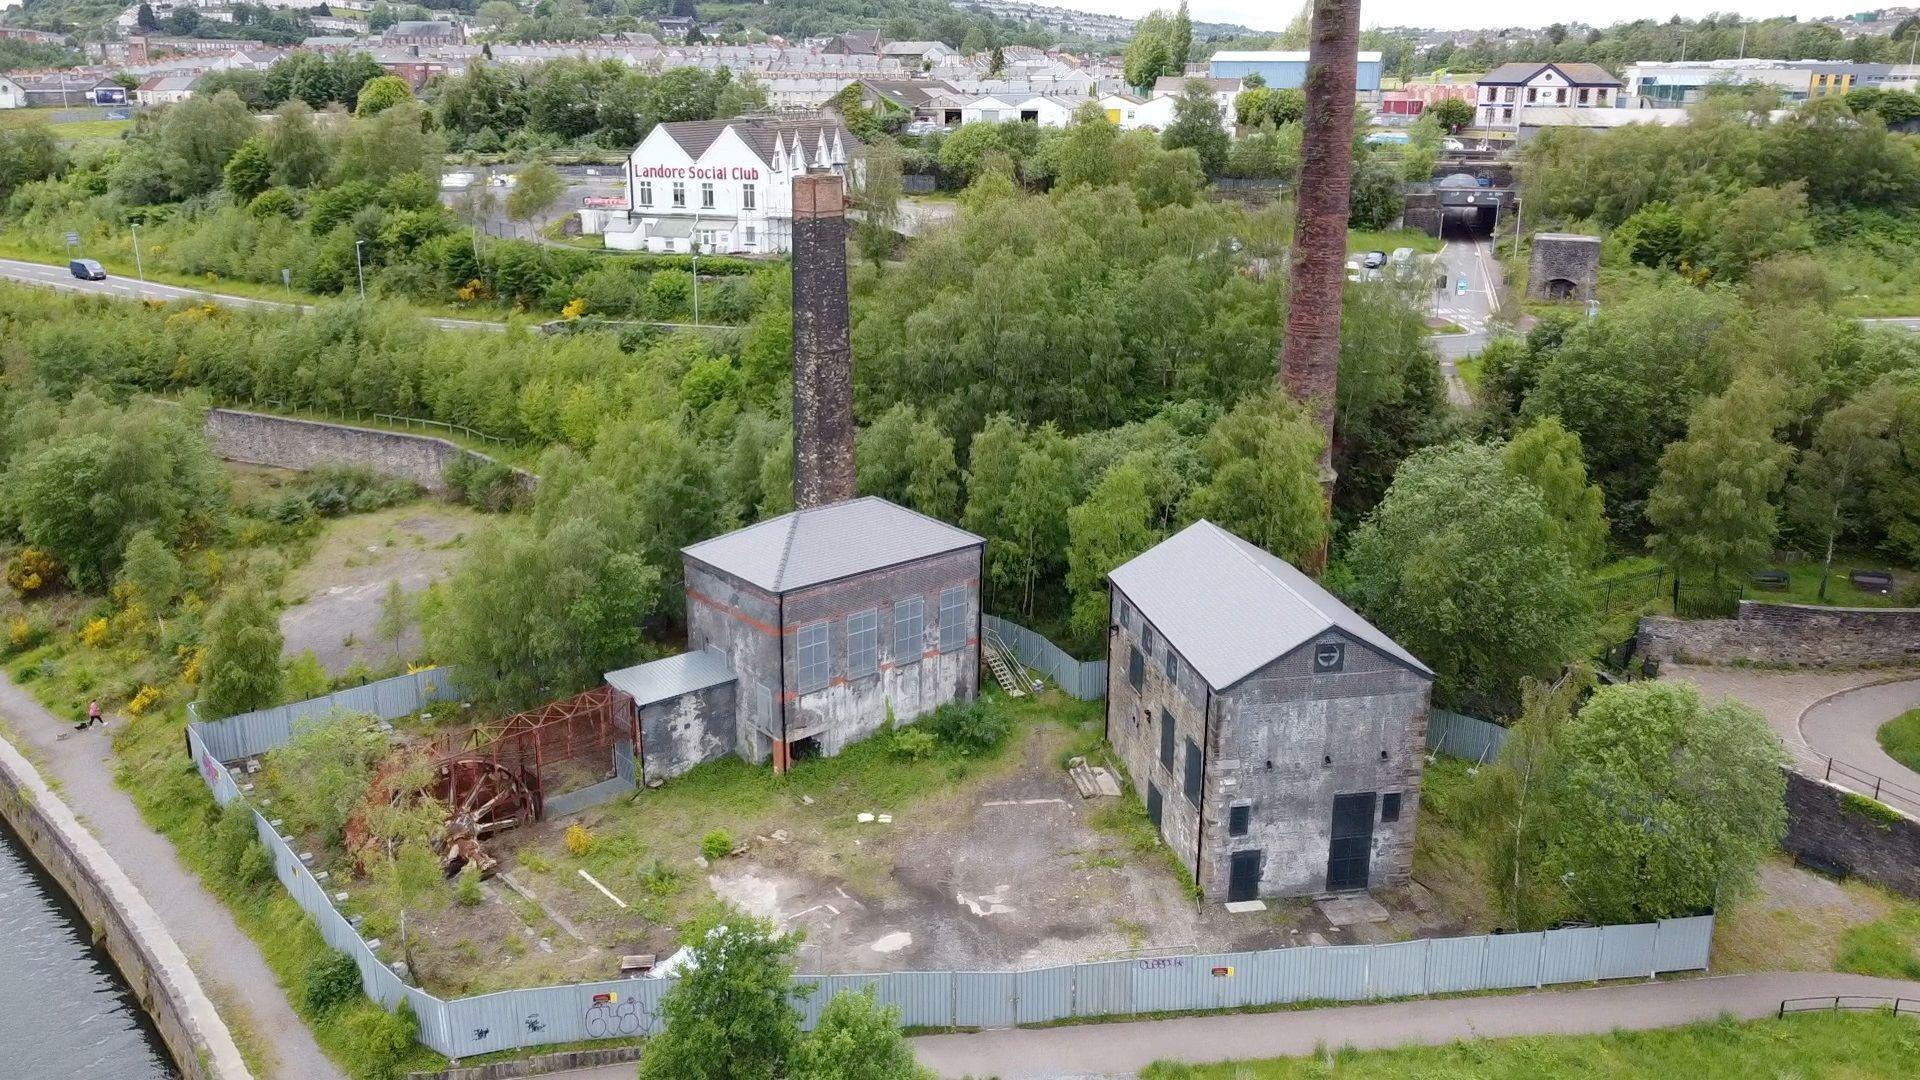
point(1275, 14)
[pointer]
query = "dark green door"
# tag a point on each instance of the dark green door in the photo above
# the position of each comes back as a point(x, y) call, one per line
point(1352, 848)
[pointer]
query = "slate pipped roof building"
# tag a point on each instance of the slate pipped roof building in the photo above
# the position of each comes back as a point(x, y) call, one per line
point(1276, 736)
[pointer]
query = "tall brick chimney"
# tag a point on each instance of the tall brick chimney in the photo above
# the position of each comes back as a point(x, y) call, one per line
point(822, 349)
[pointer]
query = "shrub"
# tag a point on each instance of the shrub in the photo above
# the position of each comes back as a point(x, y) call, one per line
point(971, 727)
point(379, 1043)
point(332, 981)
point(659, 877)
point(1882, 815)
point(716, 845)
point(93, 633)
point(483, 483)
point(579, 841)
point(32, 570)
point(143, 700)
point(466, 890)
point(255, 867)
point(913, 744)
point(27, 631)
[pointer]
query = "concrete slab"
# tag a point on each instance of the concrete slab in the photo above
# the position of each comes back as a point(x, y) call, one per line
point(1352, 910)
point(1243, 907)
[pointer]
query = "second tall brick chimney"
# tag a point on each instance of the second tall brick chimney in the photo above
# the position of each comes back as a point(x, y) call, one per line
point(822, 348)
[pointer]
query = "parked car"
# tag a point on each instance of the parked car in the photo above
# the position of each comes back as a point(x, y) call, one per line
point(87, 270)
point(1375, 260)
point(922, 127)
point(1452, 144)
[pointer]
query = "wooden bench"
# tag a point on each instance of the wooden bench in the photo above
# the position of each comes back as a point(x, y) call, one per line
point(1873, 581)
point(1771, 580)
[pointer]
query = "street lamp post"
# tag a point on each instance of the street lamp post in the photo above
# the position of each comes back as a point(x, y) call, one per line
point(138, 267)
point(359, 269)
point(694, 248)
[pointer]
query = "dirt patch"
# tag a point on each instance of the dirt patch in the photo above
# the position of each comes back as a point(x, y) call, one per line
point(336, 595)
point(1793, 922)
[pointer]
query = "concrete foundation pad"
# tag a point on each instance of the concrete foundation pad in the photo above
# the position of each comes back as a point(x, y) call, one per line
point(1350, 910)
point(1242, 907)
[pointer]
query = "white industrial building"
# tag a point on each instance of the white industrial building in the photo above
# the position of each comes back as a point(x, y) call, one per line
point(726, 185)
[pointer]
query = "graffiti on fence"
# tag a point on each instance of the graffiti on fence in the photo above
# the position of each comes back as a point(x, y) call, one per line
point(609, 1017)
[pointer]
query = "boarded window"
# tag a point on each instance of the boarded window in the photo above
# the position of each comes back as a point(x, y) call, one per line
point(863, 643)
point(1193, 772)
point(1390, 806)
point(1126, 616)
point(953, 618)
point(909, 629)
point(1146, 637)
point(1136, 669)
point(1166, 739)
point(816, 656)
point(1239, 819)
point(1173, 668)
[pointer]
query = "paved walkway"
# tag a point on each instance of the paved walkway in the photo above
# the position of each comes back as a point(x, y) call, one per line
point(1824, 714)
point(1123, 1049)
point(224, 958)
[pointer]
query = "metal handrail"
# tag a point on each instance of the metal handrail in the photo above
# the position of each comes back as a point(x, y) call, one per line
point(1850, 1003)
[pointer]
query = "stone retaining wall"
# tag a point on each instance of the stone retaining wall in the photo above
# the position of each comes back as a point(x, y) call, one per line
point(146, 954)
point(1797, 635)
point(539, 1065)
point(1824, 833)
point(287, 443)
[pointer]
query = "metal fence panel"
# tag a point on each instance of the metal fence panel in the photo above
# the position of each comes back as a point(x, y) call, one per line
point(1626, 951)
point(1397, 970)
point(1278, 976)
point(1512, 960)
point(1339, 973)
point(925, 997)
point(1571, 955)
point(1043, 994)
point(235, 737)
point(1456, 964)
point(1103, 989)
point(1683, 944)
point(1455, 735)
point(984, 999)
point(1086, 680)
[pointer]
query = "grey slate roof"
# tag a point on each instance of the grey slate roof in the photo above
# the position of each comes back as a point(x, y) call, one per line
point(1231, 609)
point(1517, 73)
point(663, 680)
point(827, 543)
point(763, 134)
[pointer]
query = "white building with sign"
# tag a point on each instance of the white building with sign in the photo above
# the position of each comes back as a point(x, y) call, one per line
point(723, 184)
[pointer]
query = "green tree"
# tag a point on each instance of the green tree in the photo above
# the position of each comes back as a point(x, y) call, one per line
point(396, 615)
point(249, 171)
point(1196, 126)
point(1180, 35)
point(731, 1015)
point(1150, 53)
point(1265, 477)
point(1660, 806)
point(391, 143)
point(1509, 803)
point(241, 669)
point(379, 95)
point(878, 200)
point(907, 458)
point(184, 151)
point(321, 774)
point(1452, 113)
point(1548, 456)
point(1713, 509)
point(150, 574)
point(1833, 480)
point(296, 146)
point(1084, 153)
point(856, 1039)
point(1036, 517)
point(403, 865)
point(1114, 524)
point(536, 188)
point(1463, 564)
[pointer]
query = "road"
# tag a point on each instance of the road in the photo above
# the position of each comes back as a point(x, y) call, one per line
point(57, 277)
point(1844, 726)
point(1469, 302)
point(1899, 323)
point(228, 963)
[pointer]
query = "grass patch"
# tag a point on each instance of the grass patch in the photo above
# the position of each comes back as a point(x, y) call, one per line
point(1470, 369)
point(1449, 859)
point(1900, 738)
point(1388, 239)
point(1888, 947)
point(1859, 1045)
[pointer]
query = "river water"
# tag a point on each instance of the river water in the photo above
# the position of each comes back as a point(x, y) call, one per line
point(64, 1010)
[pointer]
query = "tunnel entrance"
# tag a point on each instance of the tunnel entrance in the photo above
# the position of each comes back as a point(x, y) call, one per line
point(1468, 222)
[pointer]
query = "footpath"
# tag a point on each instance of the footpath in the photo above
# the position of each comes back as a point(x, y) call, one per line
point(224, 958)
point(1123, 1049)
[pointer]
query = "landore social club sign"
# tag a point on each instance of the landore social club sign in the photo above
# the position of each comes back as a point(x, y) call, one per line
point(697, 172)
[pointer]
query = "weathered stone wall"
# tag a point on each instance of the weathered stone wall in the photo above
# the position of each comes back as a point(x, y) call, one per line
point(823, 469)
point(286, 443)
point(681, 733)
point(1283, 742)
point(1286, 741)
point(910, 682)
point(1793, 634)
point(1421, 210)
point(1824, 833)
point(743, 621)
point(1564, 257)
point(146, 954)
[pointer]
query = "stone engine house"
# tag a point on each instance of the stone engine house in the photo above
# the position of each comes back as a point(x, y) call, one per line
point(832, 616)
point(1275, 735)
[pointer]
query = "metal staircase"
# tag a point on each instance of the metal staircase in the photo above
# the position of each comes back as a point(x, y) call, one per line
point(1006, 667)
